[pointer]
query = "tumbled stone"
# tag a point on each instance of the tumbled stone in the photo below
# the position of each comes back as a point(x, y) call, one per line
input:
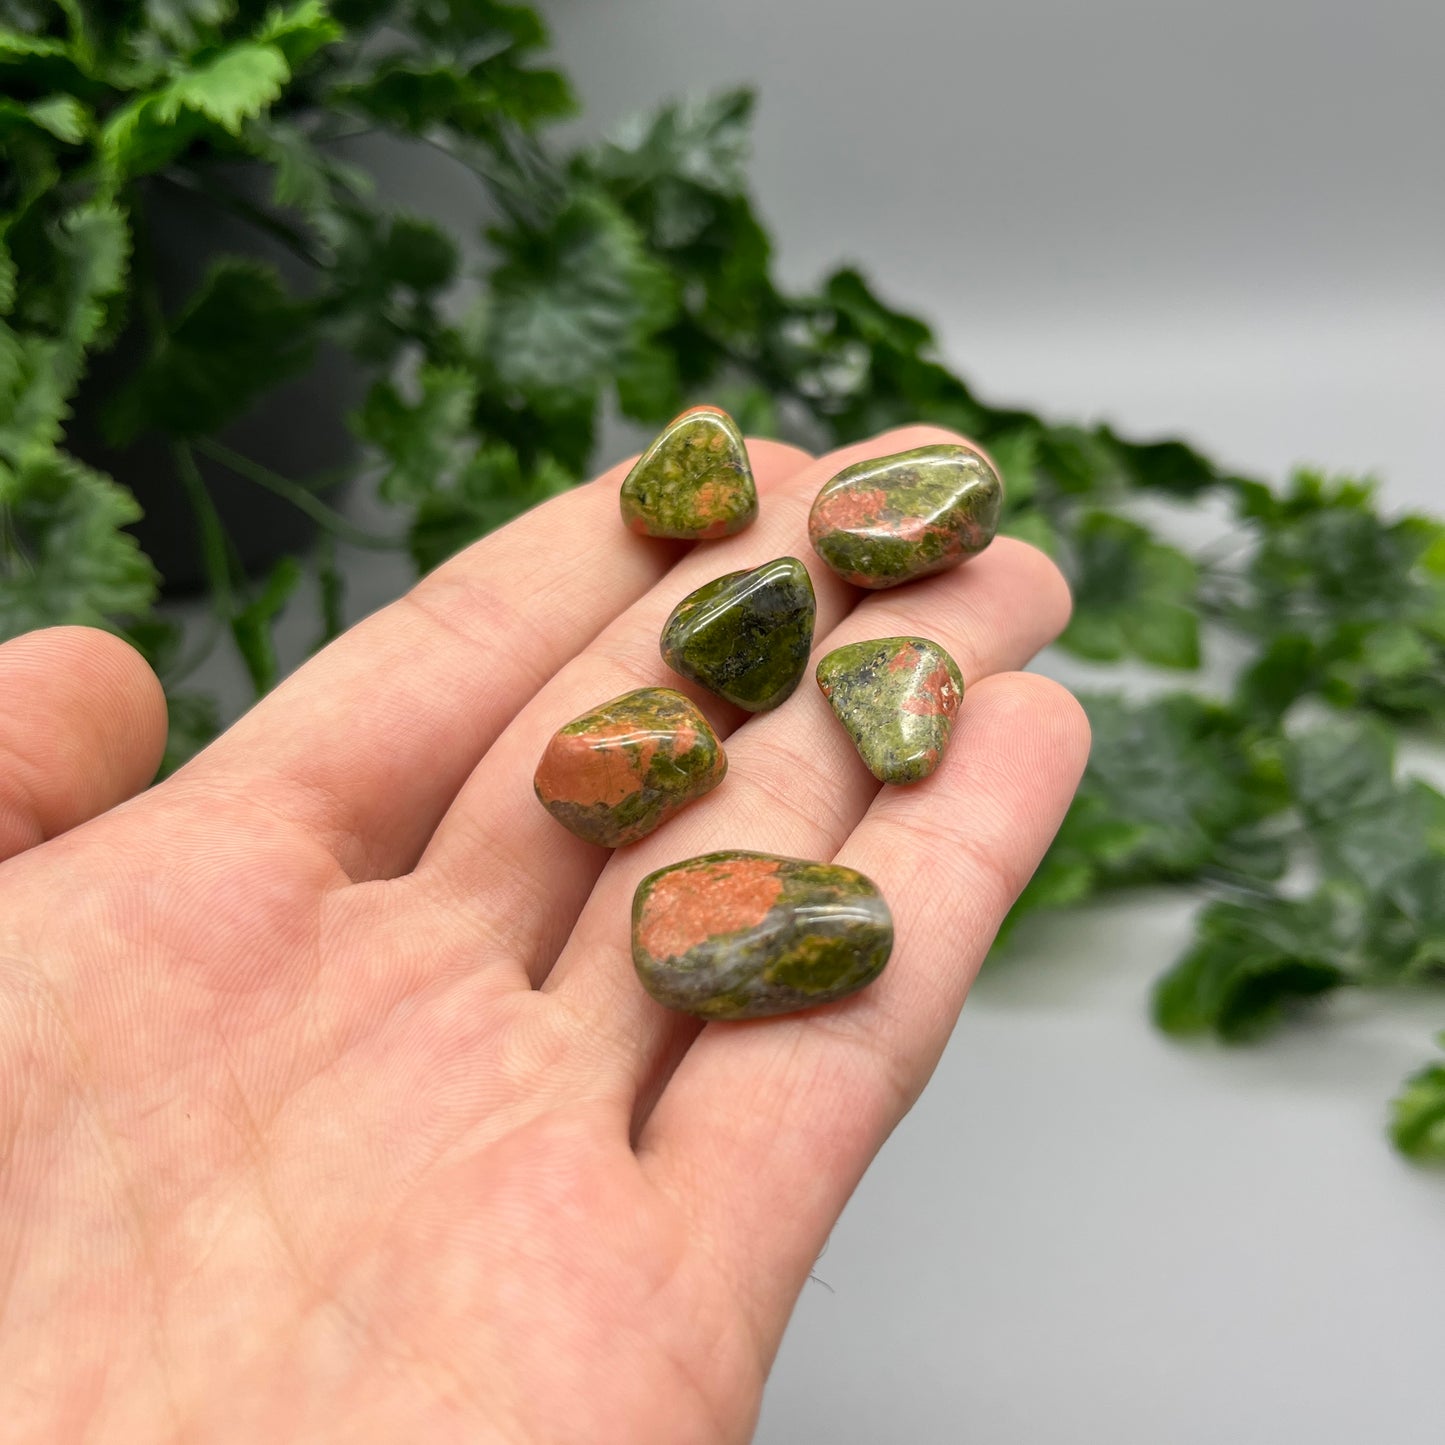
point(745, 935)
point(618, 772)
point(693, 482)
point(747, 635)
point(892, 519)
point(897, 697)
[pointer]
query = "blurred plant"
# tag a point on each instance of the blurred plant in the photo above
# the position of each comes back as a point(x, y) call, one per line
point(637, 272)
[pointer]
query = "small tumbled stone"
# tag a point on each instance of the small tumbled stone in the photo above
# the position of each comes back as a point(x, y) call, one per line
point(745, 636)
point(891, 519)
point(693, 482)
point(897, 697)
point(745, 935)
point(618, 772)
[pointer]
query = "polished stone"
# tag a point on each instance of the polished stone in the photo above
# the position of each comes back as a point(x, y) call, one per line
point(892, 519)
point(745, 935)
point(745, 636)
point(622, 770)
point(693, 482)
point(897, 697)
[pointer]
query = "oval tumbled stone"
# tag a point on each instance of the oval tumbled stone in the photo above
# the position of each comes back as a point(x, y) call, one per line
point(892, 519)
point(693, 482)
point(618, 772)
point(746, 935)
point(897, 697)
point(746, 635)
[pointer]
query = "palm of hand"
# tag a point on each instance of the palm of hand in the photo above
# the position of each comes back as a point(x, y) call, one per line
point(329, 1105)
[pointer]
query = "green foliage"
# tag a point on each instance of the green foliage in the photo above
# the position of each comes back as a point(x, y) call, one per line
point(635, 276)
point(1417, 1122)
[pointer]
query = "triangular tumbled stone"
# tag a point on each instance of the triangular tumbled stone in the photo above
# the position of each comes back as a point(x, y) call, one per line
point(747, 635)
point(693, 482)
point(897, 696)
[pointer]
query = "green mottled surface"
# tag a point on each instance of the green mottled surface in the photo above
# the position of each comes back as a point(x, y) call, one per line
point(828, 934)
point(747, 635)
point(892, 519)
point(620, 771)
point(693, 482)
point(897, 697)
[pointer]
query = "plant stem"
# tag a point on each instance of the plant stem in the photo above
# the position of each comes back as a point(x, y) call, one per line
point(295, 241)
point(213, 534)
point(299, 497)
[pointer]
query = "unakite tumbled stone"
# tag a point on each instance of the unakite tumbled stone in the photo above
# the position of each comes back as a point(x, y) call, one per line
point(618, 772)
point(892, 519)
point(693, 482)
point(744, 935)
point(897, 696)
point(747, 635)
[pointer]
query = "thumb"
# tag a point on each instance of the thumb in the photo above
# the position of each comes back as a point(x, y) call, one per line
point(82, 728)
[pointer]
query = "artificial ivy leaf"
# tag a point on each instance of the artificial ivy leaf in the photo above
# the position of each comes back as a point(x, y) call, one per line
point(1417, 1122)
point(64, 556)
point(1133, 595)
point(61, 116)
point(384, 283)
point(574, 305)
point(649, 388)
point(1251, 960)
point(299, 31)
point(1364, 826)
point(669, 169)
point(1406, 931)
point(489, 490)
point(1016, 454)
point(1357, 599)
point(252, 625)
point(237, 336)
point(236, 85)
point(1173, 785)
point(1165, 466)
point(422, 444)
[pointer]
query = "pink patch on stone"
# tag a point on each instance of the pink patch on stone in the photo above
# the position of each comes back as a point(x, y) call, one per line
point(689, 906)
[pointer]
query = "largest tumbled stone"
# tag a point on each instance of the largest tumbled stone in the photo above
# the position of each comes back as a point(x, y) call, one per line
point(693, 482)
point(618, 772)
point(745, 636)
point(744, 935)
point(892, 519)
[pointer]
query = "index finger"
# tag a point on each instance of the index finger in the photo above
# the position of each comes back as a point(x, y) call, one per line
point(367, 744)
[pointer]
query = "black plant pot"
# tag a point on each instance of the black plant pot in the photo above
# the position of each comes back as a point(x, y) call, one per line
point(298, 429)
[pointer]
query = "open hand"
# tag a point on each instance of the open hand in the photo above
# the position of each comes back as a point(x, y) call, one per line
point(330, 1105)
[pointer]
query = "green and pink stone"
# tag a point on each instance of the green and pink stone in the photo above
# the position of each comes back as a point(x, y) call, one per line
point(897, 697)
point(616, 773)
point(738, 935)
point(694, 482)
point(890, 520)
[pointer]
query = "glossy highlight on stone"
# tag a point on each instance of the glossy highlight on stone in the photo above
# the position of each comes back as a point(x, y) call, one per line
point(745, 636)
point(892, 519)
point(622, 770)
point(746, 935)
point(897, 697)
point(693, 482)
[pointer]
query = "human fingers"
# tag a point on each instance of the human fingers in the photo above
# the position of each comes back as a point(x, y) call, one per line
point(766, 1127)
point(503, 857)
point(367, 744)
point(797, 787)
point(82, 728)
